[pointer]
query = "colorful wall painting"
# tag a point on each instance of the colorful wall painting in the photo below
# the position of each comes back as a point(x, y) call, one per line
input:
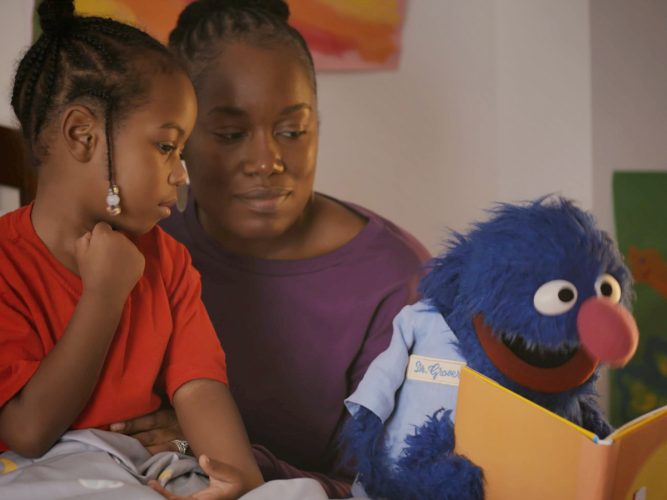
point(343, 35)
point(351, 34)
point(640, 210)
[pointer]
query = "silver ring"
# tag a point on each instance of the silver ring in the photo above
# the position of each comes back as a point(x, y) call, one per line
point(182, 445)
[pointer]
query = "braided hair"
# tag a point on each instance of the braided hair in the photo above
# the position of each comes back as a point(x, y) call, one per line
point(206, 24)
point(83, 59)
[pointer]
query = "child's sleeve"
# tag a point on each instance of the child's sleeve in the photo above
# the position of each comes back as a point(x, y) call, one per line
point(194, 351)
point(21, 350)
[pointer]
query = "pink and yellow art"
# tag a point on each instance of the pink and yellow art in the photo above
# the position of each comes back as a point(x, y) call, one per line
point(351, 34)
point(157, 18)
point(348, 35)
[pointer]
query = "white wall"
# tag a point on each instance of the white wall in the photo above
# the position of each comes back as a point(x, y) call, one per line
point(419, 144)
point(629, 61)
point(15, 36)
point(544, 99)
point(491, 102)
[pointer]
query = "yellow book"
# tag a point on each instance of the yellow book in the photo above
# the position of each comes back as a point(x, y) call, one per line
point(528, 452)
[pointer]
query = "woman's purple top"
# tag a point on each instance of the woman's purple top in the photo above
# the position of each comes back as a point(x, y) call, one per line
point(299, 334)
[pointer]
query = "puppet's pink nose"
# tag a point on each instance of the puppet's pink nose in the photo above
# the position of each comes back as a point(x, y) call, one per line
point(607, 331)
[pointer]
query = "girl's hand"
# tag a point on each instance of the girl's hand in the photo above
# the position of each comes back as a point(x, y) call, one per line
point(155, 431)
point(108, 262)
point(226, 483)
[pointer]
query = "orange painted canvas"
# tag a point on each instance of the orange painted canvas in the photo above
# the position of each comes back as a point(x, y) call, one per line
point(156, 17)
point(348, 35)
point(528, 452)
point(351, 34)
point(649, 267)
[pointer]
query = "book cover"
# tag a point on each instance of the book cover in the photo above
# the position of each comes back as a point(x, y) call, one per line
point(528, 452)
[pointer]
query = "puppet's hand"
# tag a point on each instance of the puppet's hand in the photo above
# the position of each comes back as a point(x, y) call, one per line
point(363, 440)
point(593, 419)
point(156, 431)
point(429, 455)
point(226, 483)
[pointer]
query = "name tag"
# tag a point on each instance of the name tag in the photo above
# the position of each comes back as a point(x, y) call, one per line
point(434, 370)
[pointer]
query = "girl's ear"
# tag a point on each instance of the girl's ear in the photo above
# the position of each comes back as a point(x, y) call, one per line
point(81, 131)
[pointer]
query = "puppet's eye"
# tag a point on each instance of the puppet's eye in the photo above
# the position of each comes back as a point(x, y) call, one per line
point(555, 297)
point(608, 287)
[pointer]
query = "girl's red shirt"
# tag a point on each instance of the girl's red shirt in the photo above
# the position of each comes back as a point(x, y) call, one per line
point(164, 338)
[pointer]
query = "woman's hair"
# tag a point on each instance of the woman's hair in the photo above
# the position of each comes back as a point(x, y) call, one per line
point(206, 24)
point(101, 62)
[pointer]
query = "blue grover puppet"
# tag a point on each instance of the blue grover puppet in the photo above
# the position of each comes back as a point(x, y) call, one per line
point(534, 298)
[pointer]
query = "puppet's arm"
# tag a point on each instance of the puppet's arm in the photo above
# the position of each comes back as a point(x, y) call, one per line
point(430, 467)
point(372, 403)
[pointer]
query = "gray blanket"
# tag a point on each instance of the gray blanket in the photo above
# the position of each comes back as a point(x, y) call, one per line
point(104, 465)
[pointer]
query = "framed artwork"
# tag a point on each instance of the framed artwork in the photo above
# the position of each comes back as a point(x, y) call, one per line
point(343, 35)
point(640, 211)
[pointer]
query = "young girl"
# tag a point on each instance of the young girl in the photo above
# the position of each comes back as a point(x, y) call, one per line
point(100, 310)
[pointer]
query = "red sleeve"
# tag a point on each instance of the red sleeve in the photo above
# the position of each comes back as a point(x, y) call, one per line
point(194, 351)
point(20, 349)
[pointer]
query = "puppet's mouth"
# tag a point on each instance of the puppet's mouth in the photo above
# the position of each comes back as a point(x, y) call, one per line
point(537, 356)
point(536, 369)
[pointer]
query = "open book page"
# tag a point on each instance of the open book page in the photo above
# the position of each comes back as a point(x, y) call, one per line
point(645, 419)
point(641, 467)
point(526, 451)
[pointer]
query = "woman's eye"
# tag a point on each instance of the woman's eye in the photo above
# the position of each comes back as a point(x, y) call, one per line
point(555, 297)
point(291, 134)
point(165, 147)
point(608, 287)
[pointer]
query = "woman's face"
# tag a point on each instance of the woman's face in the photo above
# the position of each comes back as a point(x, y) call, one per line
point(253, 150)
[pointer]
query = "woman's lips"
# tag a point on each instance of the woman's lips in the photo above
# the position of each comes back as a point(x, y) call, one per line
point(264, 200)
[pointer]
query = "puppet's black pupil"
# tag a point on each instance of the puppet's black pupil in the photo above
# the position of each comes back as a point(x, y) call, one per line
point(606, 289)
point(566, 295)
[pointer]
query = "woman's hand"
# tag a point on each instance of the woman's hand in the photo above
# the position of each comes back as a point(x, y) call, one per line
point(226, 483)
point(156, 431)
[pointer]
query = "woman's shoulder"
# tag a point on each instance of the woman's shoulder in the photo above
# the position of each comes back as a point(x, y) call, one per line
point(382, 236)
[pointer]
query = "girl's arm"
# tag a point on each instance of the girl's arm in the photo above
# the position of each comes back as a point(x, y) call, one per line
point(30, 422)
point(212, 424)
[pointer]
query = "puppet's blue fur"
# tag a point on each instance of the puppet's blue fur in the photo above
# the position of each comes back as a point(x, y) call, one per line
point(495, 270)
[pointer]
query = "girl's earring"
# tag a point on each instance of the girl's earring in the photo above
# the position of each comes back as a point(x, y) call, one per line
point(113, 200)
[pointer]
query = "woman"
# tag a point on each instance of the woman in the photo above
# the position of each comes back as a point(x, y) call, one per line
point(302, 288)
